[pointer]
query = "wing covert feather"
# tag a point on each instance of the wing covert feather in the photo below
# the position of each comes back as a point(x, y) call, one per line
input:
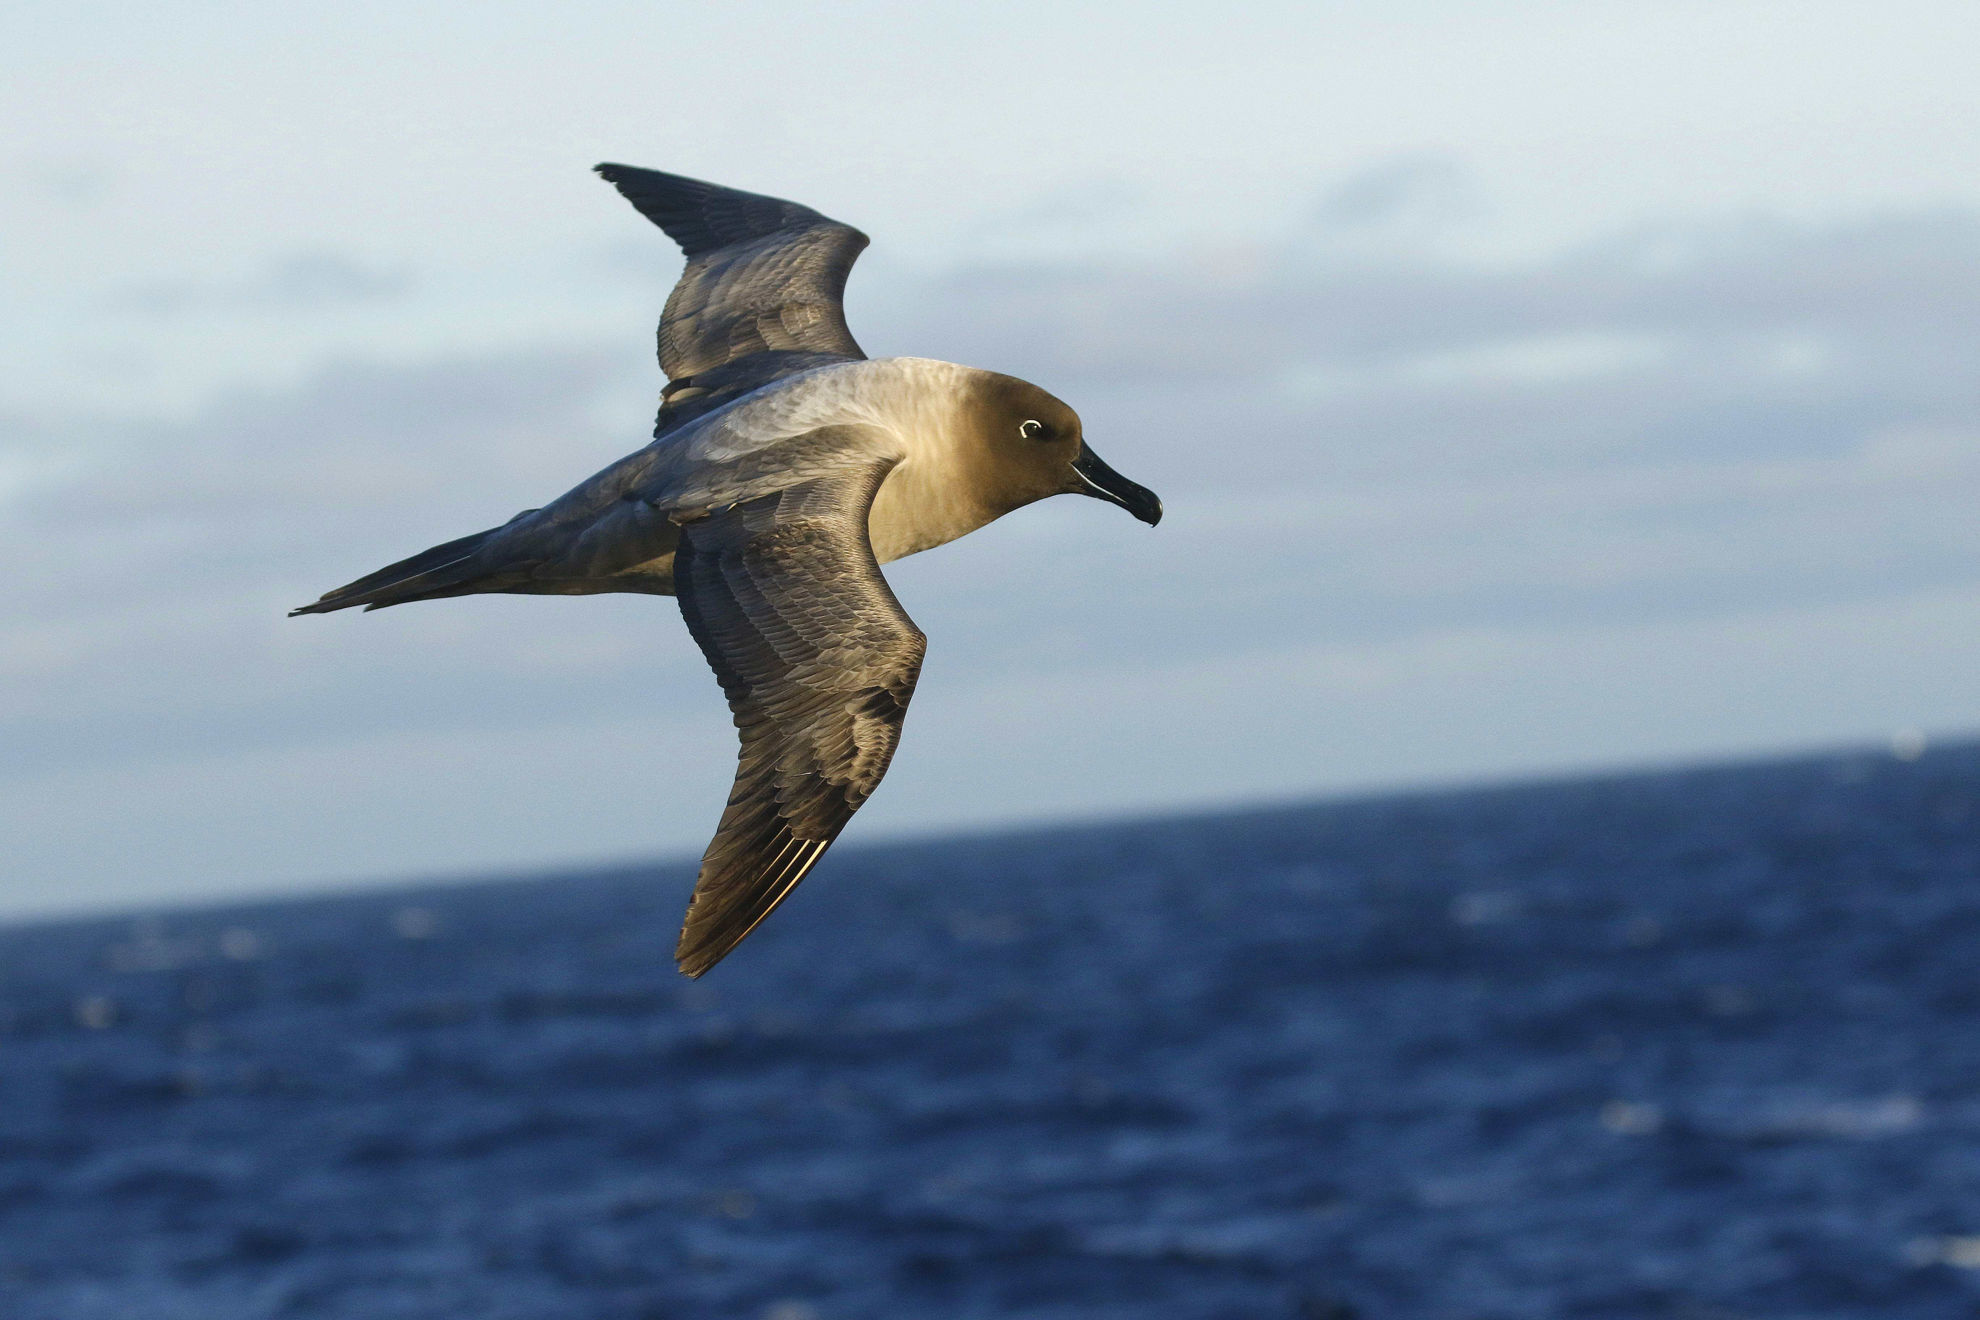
point(818, 660)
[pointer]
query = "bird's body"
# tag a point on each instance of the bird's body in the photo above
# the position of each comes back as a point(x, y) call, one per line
point(785, 468)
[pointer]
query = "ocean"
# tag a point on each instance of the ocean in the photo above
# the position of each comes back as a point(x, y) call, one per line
point(1699, 1045)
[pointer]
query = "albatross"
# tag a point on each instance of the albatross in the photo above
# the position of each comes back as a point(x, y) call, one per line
point(785, 468)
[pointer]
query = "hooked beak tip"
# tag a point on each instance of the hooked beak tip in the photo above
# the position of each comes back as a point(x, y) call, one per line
point(1102, 482)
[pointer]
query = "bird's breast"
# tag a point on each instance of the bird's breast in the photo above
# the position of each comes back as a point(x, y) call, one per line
point(920, 506)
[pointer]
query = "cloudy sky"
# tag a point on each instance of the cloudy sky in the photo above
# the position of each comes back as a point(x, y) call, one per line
point(1532, 386)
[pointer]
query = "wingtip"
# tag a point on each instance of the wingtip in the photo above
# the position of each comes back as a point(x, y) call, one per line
point(617, 174)
point(694, 963)
point(696, 952)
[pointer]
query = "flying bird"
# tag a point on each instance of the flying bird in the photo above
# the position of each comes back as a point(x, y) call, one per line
point(785, 468)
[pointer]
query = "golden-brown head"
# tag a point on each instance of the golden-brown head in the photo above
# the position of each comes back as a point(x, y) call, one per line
point(1029, 445)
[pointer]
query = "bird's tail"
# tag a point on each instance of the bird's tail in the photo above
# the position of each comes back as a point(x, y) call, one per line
point(445, 570)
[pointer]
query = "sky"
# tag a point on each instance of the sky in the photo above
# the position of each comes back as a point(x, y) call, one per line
point(1533, 387)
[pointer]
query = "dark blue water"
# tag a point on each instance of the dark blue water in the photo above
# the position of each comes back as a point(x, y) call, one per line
point(1697, 1045)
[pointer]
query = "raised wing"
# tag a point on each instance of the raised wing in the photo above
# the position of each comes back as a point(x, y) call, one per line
point(762, 295)
point(818, 660)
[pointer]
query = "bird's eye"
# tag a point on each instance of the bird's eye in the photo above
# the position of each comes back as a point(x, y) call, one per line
point(1032, 430)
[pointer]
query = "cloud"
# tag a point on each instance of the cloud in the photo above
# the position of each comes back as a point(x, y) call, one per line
point(1097, 213)
point(1389, 478)
point(74, 185)
point(1903, 290)
point(169, 552)
point(300, 282)
point(1418, 192)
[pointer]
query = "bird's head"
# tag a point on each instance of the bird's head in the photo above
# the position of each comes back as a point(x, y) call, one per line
point(1032, 446)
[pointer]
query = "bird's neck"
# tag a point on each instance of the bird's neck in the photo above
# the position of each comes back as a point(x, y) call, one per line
point(933, 495)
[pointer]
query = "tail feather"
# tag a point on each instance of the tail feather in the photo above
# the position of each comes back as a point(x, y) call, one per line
point(434, 572)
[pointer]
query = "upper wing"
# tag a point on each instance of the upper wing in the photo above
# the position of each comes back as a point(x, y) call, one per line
point(818, 660)
point(764, 277)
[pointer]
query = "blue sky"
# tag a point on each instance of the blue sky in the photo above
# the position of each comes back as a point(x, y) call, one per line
point(1532, 387)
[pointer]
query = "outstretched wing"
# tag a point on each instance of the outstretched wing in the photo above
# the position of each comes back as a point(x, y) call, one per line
point(818, 659)
point(762, 295)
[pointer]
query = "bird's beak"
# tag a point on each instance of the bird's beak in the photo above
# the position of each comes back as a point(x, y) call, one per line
point(1103, 483)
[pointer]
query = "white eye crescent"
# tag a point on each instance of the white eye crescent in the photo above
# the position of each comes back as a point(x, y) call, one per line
point(1031, 430)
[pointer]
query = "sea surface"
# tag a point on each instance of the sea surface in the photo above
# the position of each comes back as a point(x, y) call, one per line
point(1700, 1045)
